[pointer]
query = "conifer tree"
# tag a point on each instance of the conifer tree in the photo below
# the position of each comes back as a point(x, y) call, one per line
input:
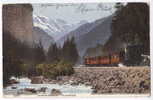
point(53, 53)
point(69, 50)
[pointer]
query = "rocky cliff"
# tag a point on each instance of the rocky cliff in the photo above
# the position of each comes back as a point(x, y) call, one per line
point(17, 20)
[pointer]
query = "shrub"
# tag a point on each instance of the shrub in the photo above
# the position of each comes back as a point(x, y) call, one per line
point(55, 69)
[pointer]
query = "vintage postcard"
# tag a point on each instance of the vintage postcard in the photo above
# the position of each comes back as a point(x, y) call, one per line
point(76, 49)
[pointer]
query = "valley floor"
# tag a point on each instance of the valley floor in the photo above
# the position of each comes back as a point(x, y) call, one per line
point(101, 80)
point(111, 80)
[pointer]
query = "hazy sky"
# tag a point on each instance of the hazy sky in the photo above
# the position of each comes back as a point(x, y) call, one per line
point(74, 13)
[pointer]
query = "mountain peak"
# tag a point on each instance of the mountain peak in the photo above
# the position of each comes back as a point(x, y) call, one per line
point(56, 28)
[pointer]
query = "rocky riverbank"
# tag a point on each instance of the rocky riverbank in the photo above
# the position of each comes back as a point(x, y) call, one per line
point(109, 80)
point(117, 80)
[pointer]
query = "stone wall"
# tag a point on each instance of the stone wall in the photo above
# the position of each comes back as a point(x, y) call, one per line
point(17, 19)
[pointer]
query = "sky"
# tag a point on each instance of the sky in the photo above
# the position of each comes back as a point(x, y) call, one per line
point(74, 13)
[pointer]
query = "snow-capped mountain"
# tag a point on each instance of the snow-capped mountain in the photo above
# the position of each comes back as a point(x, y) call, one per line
point(56, 28)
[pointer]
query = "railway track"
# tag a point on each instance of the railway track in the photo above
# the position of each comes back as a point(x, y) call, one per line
point(100, 67)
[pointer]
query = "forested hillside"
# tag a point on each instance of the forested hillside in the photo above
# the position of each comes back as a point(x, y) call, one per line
point(130, 25)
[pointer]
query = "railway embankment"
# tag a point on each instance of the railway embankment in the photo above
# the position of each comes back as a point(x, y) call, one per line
point(116, 79)
point(110, 80)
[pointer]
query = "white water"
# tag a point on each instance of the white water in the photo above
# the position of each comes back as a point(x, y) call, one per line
point(66, 89)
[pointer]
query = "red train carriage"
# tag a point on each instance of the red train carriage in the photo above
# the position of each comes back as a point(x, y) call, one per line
point(132, 57)
point(104, 60)
point(112, 59)
point(91, 61)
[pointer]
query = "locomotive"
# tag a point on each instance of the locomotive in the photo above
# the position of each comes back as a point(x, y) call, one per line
point(131, 55)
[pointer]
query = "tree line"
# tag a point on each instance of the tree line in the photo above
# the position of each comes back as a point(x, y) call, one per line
point(22, 59)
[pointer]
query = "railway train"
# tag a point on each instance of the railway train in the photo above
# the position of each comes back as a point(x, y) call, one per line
point(111, 59)
point(130, 56)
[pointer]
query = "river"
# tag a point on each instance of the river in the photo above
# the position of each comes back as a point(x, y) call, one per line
point(66, 89)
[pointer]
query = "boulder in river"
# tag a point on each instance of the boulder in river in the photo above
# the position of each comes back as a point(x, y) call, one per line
point(14, 87)
point(13, 81)
point(37, 80)
point(30, 90)
point(43, 89)
point(56, 92)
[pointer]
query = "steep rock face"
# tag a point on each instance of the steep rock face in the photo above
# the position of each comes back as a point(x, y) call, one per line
point(17, 20)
